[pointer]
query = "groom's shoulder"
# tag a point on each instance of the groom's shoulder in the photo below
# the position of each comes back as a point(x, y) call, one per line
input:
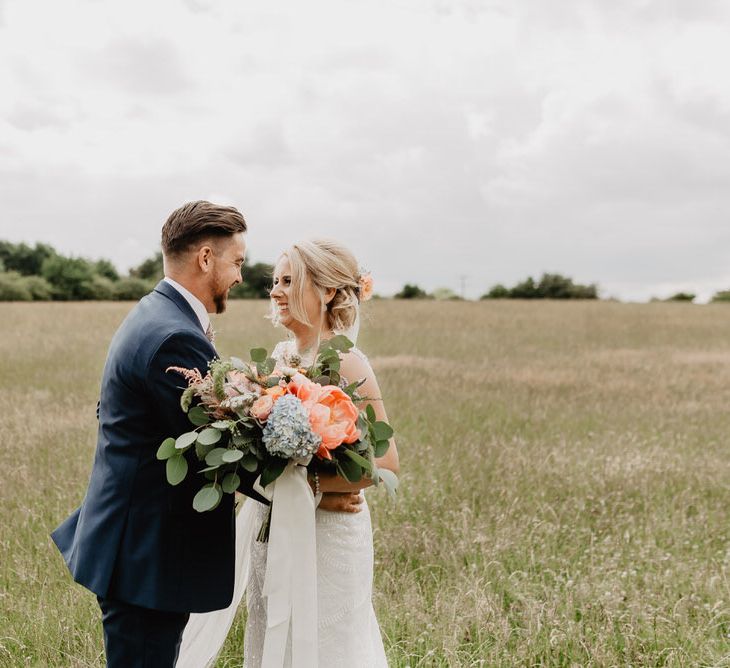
point(151, 322)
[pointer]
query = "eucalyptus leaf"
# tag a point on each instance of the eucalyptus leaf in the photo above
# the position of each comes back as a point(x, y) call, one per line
point(215, 457)
point(382, 431)
point(230, 483)
point(273, 470)
point(250, 463)
point(186, 440)
point(341, 343)
point(266, 367)
point(201, 451)
point(221, 424)
point(273, 381)
point(198, 416)
point(176, 469)
point(359, 459)
point(207, 498)
point(370, 412)
point(230, 456)
point(349, 469)
point(258, 354)
point(208, 469)
point(381, 447)
point(167, 449)
point(375, 475)
point(209, 436)
point(390, 480)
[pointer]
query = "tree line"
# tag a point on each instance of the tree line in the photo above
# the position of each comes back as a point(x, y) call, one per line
point(549, 286)
point(33, 273)
point(40, 273)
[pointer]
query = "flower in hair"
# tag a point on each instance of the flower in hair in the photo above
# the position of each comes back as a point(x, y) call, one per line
point(366, 286)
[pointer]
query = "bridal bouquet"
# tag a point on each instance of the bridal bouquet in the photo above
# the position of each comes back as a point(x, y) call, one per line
point(258, 416)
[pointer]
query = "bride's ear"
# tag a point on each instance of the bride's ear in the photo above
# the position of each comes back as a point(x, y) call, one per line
point(329, 295)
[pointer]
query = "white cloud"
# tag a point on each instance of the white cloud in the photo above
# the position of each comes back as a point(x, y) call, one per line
point(483, 138)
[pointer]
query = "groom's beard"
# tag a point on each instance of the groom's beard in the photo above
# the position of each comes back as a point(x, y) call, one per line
point(220, 295)
point(220, 299)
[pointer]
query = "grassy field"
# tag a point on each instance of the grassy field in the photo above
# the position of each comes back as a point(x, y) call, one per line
point(564, 492)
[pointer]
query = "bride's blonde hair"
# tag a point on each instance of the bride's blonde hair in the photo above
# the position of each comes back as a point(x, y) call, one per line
point(329, 266)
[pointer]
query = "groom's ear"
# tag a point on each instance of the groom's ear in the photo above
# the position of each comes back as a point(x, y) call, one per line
point(204, 259)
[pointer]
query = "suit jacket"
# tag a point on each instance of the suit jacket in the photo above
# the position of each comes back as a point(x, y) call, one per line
point(136, 538)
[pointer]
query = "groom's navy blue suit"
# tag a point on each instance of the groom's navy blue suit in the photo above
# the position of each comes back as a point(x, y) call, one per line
point(136, 541)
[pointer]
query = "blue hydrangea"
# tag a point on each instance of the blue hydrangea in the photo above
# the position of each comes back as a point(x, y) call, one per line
point(287, 432)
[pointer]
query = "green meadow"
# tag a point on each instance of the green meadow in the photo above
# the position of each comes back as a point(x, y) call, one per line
point(565, 480)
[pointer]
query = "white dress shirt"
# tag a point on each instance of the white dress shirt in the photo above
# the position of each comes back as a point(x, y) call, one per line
point(194, 302)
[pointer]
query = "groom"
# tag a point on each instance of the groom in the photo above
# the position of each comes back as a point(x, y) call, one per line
point(136, 541)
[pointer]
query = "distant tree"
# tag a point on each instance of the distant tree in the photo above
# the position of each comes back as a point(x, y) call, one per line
point(410, 291)
point(13, 288)
point(103, 288)
point(132, 289)
point(106, 269)
point(445, 294)
point(525, 290)
point(550, 286)
point(722, 296)
point(681, 297)
point(497, 292)
point(71, 278)
point(39, 287)
point(556, 286)
point(256, 282)
point(150, 269)
point(23, 259)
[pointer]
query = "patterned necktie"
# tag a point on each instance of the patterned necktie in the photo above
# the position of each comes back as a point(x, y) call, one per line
point(210, 334)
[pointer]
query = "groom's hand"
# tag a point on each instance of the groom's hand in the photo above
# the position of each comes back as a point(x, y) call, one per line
point(341, 502)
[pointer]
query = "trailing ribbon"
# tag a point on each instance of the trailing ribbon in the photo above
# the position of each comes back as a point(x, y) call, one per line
point(290, 584)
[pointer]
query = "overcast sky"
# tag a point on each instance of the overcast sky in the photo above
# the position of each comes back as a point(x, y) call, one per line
point(490, 139)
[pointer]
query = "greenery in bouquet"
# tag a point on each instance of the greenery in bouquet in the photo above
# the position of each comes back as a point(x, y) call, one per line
point(258, 415)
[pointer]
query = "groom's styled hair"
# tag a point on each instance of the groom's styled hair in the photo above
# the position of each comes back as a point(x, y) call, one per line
point(197, 221)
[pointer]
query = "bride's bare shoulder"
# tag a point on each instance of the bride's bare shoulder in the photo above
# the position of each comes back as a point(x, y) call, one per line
point(355, 365)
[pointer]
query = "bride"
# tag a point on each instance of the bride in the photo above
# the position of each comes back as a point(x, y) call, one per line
point(317, 290)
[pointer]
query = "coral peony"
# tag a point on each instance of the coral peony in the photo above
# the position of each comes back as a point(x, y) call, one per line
point(334, 418)
point(305, 390)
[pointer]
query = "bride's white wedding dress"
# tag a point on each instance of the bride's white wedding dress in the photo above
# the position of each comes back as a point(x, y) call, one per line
point(348, 632)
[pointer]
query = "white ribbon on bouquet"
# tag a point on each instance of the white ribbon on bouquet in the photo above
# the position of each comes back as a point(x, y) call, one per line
point(290, 584)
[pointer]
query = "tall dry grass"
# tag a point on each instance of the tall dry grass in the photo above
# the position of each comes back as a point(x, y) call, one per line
point(564, 491)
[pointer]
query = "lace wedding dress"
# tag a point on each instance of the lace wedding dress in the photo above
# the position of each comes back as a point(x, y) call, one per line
point(348, 632)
